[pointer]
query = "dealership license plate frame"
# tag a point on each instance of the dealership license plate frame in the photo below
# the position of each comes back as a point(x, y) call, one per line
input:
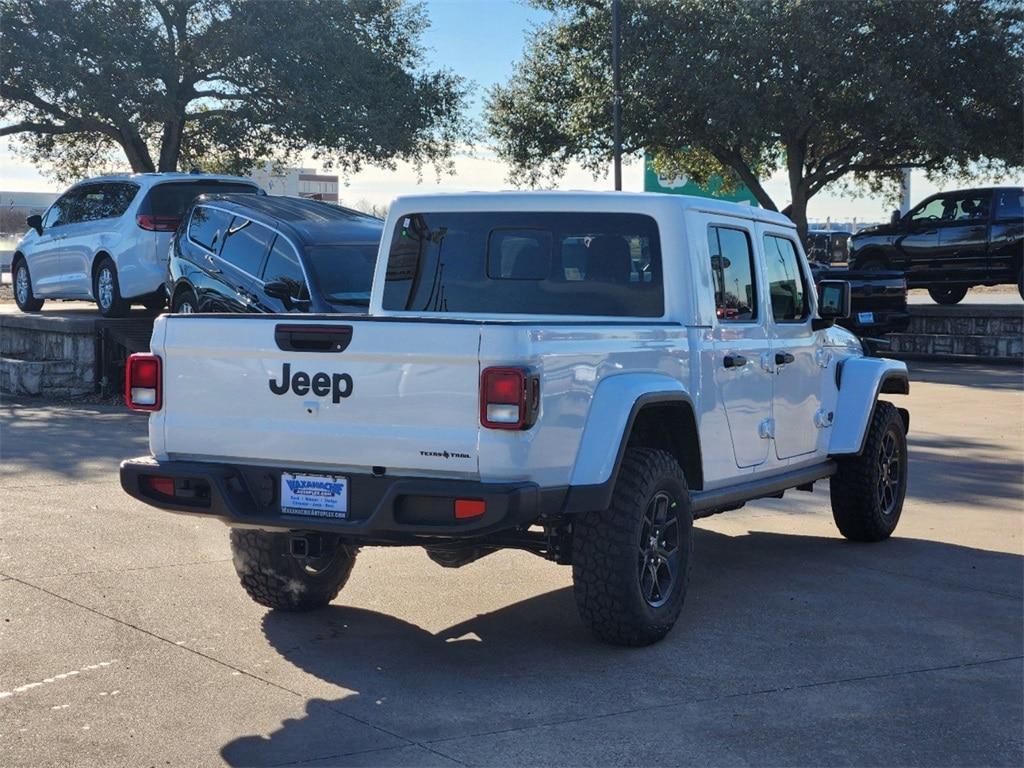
point(308, 494)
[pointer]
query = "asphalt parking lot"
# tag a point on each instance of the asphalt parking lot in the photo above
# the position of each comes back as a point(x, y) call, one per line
point(126, 640)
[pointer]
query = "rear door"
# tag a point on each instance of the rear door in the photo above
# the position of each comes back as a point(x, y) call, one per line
point(331, 394)
point(796, 396)
point(1006, 247)
point(743, 375)
point(99, 211)
point(963, 236)
point(207, 228)
point(241, 259)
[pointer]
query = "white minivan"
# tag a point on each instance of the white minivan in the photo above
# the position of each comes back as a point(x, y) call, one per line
point(106, 239)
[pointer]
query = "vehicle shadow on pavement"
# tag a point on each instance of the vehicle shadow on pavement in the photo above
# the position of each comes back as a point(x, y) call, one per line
point(962, 470)
point(65, 440)
point(765, 612)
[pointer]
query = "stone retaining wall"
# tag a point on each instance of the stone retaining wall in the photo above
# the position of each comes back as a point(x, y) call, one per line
point(978, 330)
point(47, 355)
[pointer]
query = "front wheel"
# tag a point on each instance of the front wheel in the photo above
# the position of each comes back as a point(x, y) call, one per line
point(23, 296)
point(868, 490)
point(947, 295)
point(107, 290)
point(273, 577)
point(631, 562)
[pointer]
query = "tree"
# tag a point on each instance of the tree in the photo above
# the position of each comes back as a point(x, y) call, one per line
point(827, 90)
point(226, 82)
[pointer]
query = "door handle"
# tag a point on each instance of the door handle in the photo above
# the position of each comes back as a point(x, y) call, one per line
point(213, 265)
point(783, 358)
point(734, 361)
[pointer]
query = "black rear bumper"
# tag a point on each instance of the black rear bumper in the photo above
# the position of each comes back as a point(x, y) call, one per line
point(381, 509)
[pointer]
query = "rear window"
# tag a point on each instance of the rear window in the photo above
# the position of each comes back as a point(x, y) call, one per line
point(343, 273)
point(526, 263)
point(173, 198)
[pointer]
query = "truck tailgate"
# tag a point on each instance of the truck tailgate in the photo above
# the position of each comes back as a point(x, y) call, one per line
point(320, 393)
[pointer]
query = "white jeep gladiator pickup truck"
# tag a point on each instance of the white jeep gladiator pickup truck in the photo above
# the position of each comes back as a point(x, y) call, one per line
point(579, 375)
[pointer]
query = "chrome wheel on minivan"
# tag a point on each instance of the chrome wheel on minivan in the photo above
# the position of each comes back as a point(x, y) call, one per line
point(23, 296)
point(107, 291)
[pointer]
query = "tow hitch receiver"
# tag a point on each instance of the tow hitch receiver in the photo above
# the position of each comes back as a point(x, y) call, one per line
point(306, 545)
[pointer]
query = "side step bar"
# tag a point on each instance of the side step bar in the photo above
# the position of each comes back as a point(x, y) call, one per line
point(706, 503)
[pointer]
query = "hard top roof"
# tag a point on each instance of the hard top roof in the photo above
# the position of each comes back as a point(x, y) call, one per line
point(308, 221)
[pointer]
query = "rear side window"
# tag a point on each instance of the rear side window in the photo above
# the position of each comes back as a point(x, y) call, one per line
point(1009, 204)
point(245, 245)
point(785, 280)
point(343, 273)
point(526, 263)
point(173, 198)
point(732, 267)
point(207, 226)
point(283, 266)
point(103, 201)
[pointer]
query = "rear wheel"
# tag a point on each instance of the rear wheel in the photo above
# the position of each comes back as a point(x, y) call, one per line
point(273, 577)
point(184, 303)
point(947, 295)
point(872, 265)
point(868, 490)
point(631, 562)
point(107, 290)
point(23, 296)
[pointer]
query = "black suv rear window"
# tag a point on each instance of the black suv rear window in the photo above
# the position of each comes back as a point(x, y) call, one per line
point(526, 263)
point(173, 198)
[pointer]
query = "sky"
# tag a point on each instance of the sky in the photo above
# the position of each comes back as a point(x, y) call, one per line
point(481, 40)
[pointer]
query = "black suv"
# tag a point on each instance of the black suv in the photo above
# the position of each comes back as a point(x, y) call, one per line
point(950, 242)
point(242, 253)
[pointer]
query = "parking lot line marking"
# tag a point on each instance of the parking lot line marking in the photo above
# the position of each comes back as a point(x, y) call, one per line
point(55, 678)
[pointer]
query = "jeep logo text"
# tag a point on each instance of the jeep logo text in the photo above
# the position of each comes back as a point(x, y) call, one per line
point(338, 385)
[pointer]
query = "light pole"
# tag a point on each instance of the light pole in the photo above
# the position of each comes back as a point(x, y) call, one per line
point(616, 94)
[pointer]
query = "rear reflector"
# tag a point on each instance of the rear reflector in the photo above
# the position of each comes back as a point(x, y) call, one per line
point(465, 508)
point(161, 485)
point(143, 382)
point(157, 223)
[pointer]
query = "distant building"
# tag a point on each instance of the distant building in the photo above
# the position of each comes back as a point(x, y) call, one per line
point(297, 182)
point(35, 202)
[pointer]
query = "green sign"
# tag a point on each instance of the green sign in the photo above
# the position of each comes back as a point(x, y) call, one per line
point(683, 186)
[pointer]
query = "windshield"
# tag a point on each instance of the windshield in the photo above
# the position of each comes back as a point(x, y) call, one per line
point(343, 273)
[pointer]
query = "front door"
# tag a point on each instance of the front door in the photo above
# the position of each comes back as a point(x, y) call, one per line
point(741, 366)
point(44, 257)
point(796, 397)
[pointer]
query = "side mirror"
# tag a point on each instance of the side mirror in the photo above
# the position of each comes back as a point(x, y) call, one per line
point(895, 218)
point(833, 303)
point(36, 222)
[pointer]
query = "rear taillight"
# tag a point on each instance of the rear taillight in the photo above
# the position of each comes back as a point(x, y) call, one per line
point(509, 398)
point(157, 223)
point(143, 382)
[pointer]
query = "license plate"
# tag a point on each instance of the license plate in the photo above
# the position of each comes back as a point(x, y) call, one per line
point(865, 318)
point(314, 495)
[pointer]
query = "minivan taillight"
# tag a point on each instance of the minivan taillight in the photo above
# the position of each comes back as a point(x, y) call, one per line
point(157, 223)
point(143, 382)
point(509, 398)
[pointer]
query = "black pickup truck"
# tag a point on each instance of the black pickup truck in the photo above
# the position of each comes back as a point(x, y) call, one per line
point(878, 299)
point(950, 242)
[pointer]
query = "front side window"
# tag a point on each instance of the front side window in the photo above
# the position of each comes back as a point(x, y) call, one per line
point(930, 210)
point(732, 267)
point(207, 226)
point(785, 279)
point(60, 211)
point(245, 245)
point(283, 267)
point(564, 263)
